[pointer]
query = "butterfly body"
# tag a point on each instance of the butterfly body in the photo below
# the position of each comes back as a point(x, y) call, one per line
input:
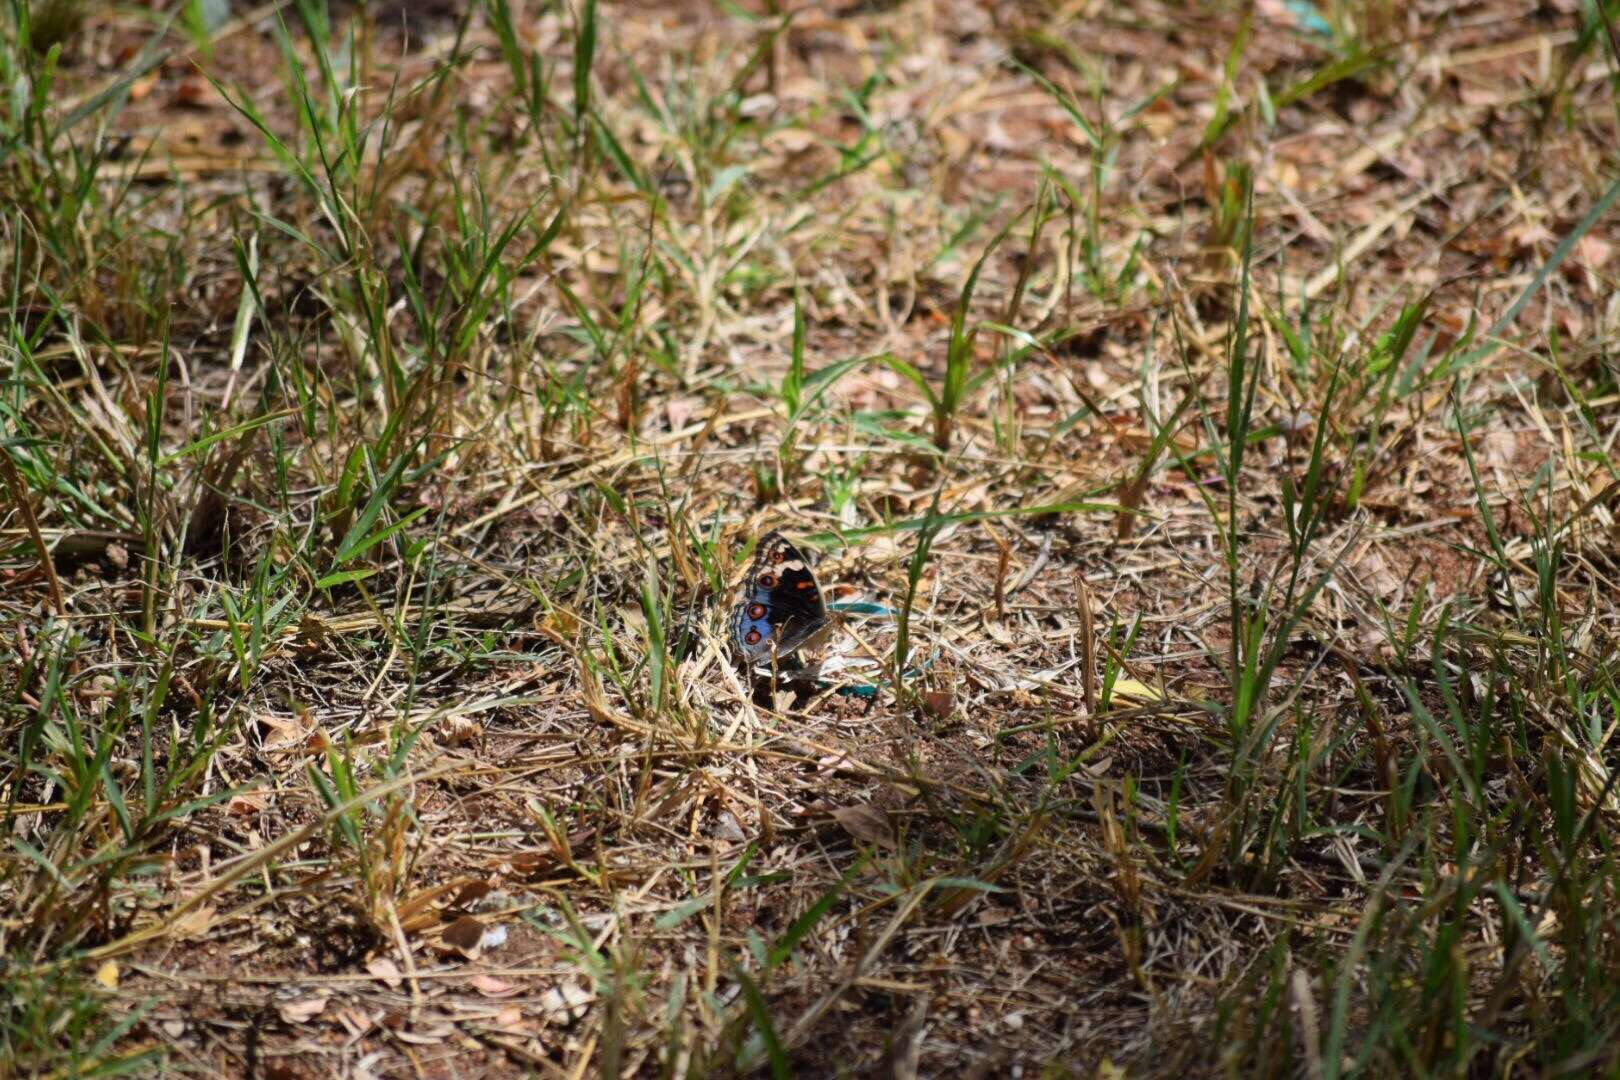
point(779, 609)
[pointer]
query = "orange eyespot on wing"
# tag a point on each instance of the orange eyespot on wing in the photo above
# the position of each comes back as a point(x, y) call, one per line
point(752, 637)
point(768, 580)
point(777, 556)
point(756, 611)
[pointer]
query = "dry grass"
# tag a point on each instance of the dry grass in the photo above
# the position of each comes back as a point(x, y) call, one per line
point(1206, 420)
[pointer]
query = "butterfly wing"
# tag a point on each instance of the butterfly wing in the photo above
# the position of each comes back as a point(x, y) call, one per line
point(779, 608)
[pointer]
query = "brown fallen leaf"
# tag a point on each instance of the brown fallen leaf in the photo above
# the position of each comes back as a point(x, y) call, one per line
point(470, 893)
point(491, 987)
point(426, 1036)
point(511, 1019)
point(301, 1011)
point(1594, 251)
point(939, 703)
point(283, 732)
point(194, 923)
point(356, 1021)
point(464, 934)
point(386, 970)
point(529, 863)
point(867, 823)
point(247, 804)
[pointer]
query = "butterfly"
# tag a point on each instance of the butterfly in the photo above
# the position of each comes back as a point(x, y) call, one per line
point(779, 609)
